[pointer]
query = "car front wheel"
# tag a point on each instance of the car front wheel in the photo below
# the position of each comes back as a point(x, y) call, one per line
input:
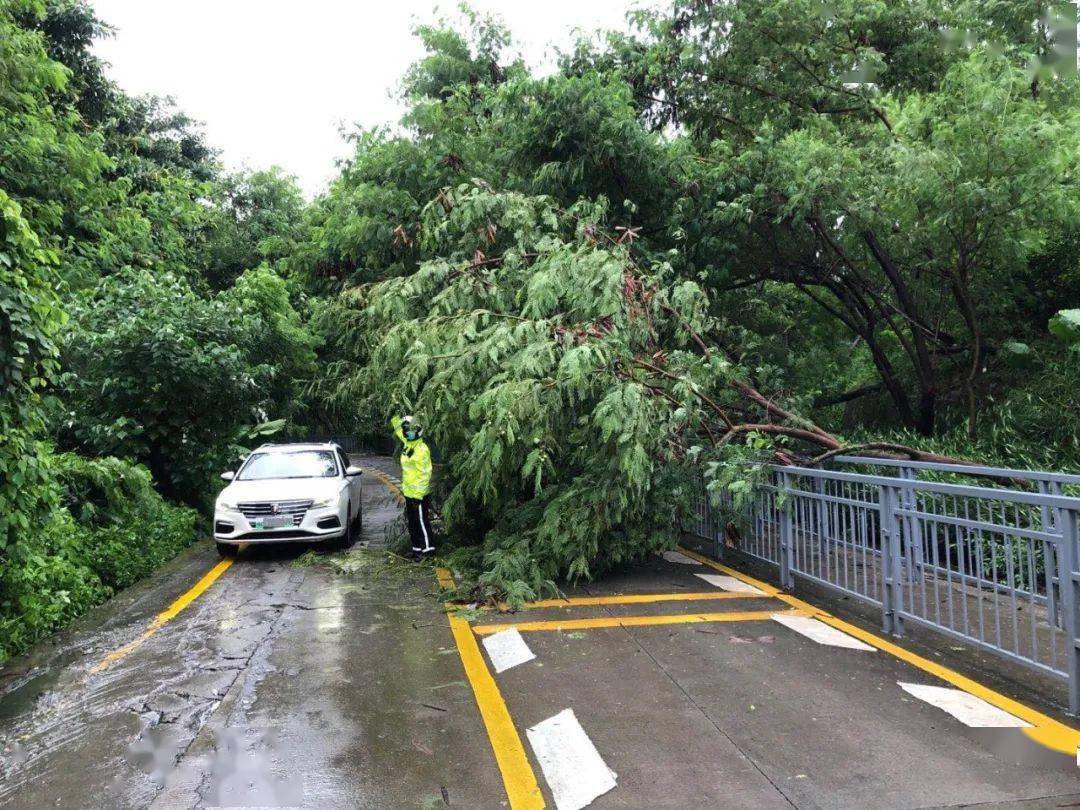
point(350, 530)
point(347, 539)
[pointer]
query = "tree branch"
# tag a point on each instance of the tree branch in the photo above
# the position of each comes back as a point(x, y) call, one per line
point(848, 396)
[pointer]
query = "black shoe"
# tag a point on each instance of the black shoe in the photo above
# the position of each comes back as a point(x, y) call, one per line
point(415, 556)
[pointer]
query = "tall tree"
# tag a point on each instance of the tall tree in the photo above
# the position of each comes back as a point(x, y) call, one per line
point(900, 184)
point(258, 218)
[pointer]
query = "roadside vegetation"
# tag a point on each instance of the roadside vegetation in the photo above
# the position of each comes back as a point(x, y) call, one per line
point(145, 339)
point(737, 232)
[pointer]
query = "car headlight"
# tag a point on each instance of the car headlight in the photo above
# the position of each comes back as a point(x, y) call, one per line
point(323, 502)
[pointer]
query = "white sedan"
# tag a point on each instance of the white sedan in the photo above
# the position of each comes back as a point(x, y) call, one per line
point(286, 493)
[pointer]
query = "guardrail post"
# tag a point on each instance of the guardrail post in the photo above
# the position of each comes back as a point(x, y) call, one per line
point(909, 499)
point(892, 600)
point(820, 512)
point(710, 523)
point(1069, 583)
point(787, 540)
point(1051, 522)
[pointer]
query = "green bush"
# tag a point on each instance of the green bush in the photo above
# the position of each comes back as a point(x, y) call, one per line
point(127, 529)
point(158, 373)
point(112, 530)
point(29, 317)
point(1030, 422)
point(48, 587)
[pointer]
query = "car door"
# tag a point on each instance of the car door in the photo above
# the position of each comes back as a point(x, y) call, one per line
point(352, 483)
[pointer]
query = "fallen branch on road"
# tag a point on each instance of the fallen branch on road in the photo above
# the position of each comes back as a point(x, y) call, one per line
point(571, 392)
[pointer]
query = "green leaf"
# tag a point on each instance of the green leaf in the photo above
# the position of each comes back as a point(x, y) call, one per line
point(1066, 325)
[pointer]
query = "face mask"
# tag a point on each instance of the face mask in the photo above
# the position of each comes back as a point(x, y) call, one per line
point(411, 435)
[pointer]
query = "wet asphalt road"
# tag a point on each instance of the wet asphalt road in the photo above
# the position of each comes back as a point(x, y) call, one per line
point(283, 684)
point(338, 684)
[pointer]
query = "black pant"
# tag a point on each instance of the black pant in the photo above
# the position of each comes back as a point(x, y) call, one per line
point(417, 514)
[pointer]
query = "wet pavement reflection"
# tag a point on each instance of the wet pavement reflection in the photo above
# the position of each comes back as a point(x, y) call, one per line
point(295, 680)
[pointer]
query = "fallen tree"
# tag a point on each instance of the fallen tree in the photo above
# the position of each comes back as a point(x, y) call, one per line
point(568, 387)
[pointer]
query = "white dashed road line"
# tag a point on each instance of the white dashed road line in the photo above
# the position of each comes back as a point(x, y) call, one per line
point(571, 764)
point(821, 632)
point(730, 584)
point(507, 649)
point(968, 709)
point(677, 557)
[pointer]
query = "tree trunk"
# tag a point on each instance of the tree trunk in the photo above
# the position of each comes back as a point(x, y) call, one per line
point(927, 414)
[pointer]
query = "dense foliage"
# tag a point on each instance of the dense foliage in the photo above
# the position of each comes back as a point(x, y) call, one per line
point(559, 451)
point(736, 231)
point(159, 373)
point(107, 529)
point(28, 356)
point(904, 183)
point(142, 317)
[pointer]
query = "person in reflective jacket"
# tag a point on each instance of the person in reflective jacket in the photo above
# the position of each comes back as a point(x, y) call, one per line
point(415, 484)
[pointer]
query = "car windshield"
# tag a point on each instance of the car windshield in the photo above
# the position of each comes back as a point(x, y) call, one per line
point(301, 464)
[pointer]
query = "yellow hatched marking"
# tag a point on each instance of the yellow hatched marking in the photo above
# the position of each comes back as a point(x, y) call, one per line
point(165, 616)
point(1044, 730)
point(390, 485)
point(517, 774)
point(633, 621)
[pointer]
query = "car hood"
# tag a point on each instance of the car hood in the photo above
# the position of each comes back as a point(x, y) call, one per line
point(281, 489)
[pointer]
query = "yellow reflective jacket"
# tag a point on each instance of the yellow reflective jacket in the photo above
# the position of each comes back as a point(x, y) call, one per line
point(415, 464)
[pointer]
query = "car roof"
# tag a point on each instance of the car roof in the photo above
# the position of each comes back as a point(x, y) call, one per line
point(292, 448)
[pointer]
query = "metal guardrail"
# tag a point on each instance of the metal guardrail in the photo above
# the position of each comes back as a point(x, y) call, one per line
point(912, 469)
point(1047, 483)
point(994, 567)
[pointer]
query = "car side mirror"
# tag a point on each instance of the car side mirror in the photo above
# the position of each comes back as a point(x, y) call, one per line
point(353, 471)
point(228, 476)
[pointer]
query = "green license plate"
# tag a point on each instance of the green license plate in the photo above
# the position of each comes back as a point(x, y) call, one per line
point(272, 522)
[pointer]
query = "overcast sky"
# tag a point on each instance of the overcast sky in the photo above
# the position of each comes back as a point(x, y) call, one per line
point(273, 80)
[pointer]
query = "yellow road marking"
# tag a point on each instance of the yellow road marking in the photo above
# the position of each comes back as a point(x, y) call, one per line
point(517, 774)
point(632, 599)
point(165, 616)
point(1045, 730)
point(390, 485)
point(633, 621)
